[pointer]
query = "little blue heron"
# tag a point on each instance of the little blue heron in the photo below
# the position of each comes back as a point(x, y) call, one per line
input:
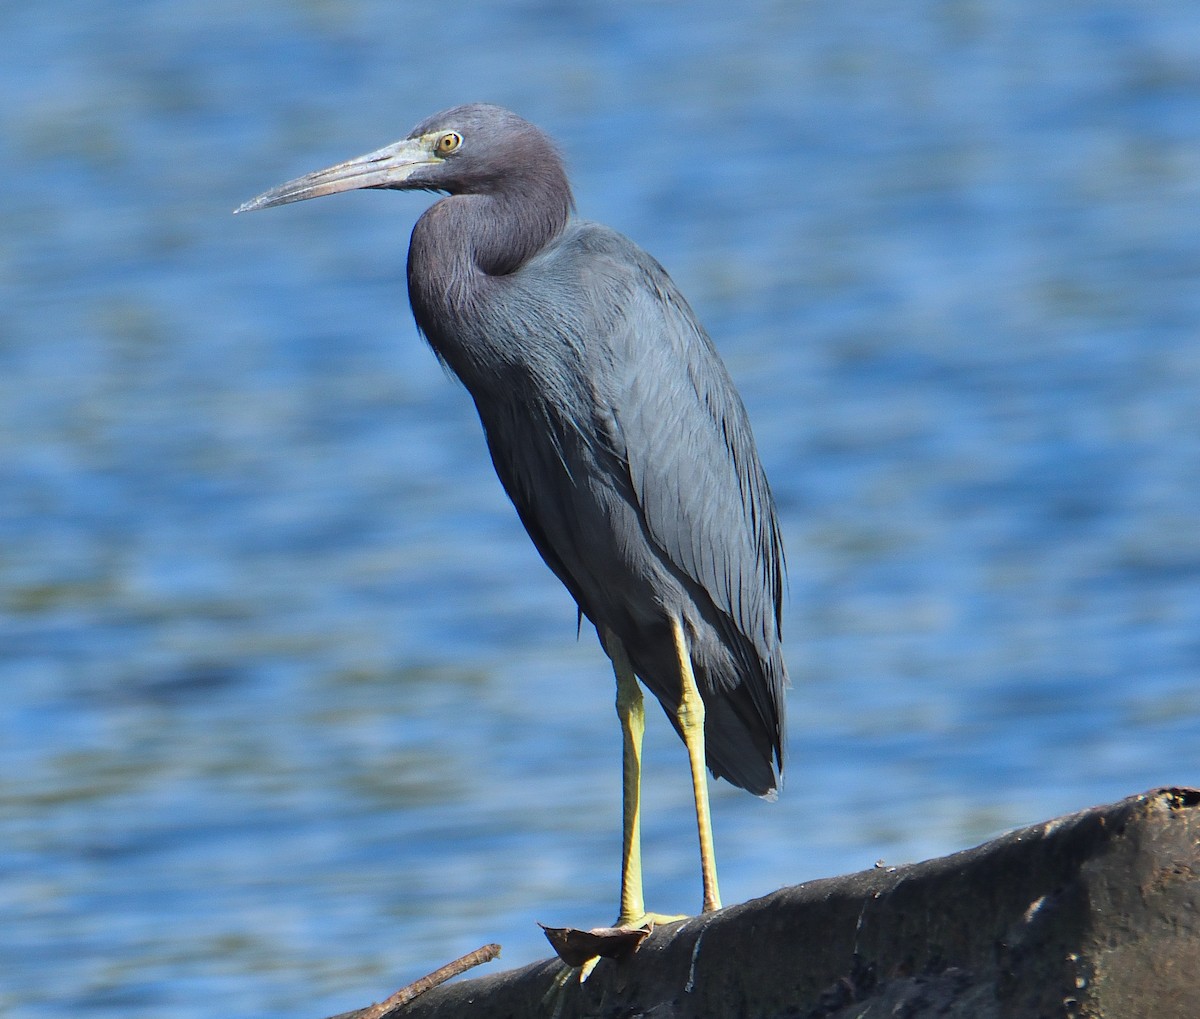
point(617, 433)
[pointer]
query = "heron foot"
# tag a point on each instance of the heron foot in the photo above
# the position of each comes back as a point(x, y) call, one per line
point(647, 921)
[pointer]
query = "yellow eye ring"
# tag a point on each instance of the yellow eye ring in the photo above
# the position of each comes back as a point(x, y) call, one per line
point(448, 143)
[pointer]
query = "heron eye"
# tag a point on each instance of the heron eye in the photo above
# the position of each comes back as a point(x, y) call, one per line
point(448, 142)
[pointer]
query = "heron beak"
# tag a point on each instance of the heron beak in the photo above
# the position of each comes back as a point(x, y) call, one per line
point(388, 167)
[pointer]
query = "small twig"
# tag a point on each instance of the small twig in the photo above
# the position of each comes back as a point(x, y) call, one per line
point(418, 987)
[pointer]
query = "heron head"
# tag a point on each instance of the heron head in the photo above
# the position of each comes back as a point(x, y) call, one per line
point(473, 149)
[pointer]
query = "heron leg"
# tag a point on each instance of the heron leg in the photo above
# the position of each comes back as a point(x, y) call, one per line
point(691, 721)
point(631, 712)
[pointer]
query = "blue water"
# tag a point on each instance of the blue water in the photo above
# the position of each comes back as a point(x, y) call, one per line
point(290, 711)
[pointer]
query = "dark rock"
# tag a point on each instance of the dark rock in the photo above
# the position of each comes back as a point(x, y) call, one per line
point(1095, 915)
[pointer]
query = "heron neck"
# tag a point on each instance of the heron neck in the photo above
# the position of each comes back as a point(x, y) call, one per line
point(497, 232)
point(463, 248)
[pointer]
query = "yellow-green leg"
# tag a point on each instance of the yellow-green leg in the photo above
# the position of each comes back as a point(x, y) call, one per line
point(691, 720)
point(631, 712)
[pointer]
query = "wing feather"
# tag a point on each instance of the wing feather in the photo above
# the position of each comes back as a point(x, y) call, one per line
point(612, 421)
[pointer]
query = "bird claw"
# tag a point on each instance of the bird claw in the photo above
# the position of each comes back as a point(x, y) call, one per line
point(650, 920)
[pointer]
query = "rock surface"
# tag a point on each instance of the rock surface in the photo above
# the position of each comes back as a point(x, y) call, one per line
point(1095, 915)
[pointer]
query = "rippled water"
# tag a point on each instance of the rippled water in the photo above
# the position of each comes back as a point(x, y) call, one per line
point(290, 712)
